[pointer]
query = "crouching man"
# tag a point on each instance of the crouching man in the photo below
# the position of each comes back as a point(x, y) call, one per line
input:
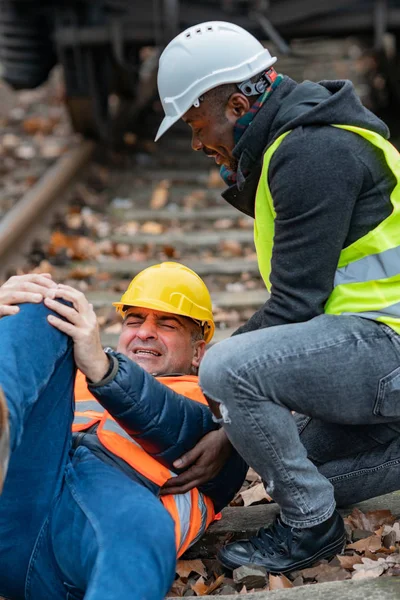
point(94, 514)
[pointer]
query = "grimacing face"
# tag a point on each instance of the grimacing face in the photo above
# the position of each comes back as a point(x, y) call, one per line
point(161, 343)
point(212, 127)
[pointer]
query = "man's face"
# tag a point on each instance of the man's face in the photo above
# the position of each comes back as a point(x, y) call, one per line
point(161, 343)
point(212, 128)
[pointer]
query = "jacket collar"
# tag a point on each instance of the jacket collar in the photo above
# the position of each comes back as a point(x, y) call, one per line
point(250, 150)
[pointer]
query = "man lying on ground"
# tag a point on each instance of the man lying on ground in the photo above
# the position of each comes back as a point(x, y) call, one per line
point(87, 515)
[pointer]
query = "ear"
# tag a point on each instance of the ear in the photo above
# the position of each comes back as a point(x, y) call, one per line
point(237, 106)
point(199, 349)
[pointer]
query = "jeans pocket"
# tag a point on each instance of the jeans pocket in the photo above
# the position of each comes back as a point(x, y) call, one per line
point(387, 402)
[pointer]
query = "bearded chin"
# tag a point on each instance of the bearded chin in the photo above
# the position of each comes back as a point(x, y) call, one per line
point(233, 164)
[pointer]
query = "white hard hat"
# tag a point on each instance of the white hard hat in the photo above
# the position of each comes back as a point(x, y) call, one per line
point(202, 58)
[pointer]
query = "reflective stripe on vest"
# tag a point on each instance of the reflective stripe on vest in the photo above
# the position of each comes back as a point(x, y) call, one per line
point(367, 279)
point(192, 512)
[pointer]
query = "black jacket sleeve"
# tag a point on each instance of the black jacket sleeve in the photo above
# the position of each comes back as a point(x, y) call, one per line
point(315, 178)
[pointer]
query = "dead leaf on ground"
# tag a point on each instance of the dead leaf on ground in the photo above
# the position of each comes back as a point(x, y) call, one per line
point(256, 493)
point(160, 194)
point(200, 588)
point(216, 584)
point(279, 582)
point(252, 475)
point(178, 589)
point(185, 567)
point(332, 573)
point(215, 180)
point(369, 569)
point(348, 561)
point(151, 227)
point(372, 544)
point(392, 528)
point(370, 521)
point(313, 572)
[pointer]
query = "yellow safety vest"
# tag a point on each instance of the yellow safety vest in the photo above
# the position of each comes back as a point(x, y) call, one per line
point(367, 278)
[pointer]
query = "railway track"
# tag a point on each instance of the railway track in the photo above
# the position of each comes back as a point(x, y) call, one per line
point(118, 237)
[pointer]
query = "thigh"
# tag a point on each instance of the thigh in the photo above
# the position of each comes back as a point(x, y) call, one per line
point(106, 532)
point(37, 375)
point(337, 369)
point(330, 441)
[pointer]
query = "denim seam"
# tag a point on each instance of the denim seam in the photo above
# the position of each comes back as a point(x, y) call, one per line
point(362, 472)
point(88, 513)
point(382, 386)
point(33, 557)
point(244, 369)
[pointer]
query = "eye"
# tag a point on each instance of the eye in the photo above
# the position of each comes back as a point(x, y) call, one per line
point(169, 325)
point(133, 323)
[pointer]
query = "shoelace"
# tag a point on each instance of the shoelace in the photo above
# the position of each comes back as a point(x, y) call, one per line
point(274, 540)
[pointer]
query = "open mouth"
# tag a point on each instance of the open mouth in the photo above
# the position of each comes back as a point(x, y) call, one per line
point(142, 352)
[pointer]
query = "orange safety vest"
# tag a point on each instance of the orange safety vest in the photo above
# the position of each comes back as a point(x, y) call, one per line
point(192, 512)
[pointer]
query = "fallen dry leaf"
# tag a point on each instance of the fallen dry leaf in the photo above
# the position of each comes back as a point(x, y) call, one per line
point(217, 583)
point(185, 567)
point(332, 573)
point(152, 227)
point(278, 582)
point(215, 180)
point(348, 561)
point(178, 589)
point(159, 196)
point(370, 569)
point(395, 528)
point(254, 494)
point(371, 520)
point(313, 572)
point(372, 543)
point(200, 588)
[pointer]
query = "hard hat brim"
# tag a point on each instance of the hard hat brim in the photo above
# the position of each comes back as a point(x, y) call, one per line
point(166, 124)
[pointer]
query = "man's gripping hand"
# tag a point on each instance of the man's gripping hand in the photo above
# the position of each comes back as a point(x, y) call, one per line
point(203, 463)
point(80, 323)
point(25, 288)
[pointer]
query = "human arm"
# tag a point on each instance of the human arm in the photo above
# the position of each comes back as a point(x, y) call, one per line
point(315, 178)
point(167, 426)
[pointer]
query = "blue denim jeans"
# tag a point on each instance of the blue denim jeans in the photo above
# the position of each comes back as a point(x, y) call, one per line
point(71, 526)
point(342, 374)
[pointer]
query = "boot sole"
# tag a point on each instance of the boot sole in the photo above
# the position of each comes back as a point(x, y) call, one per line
point(4, 439)
point(329, 551)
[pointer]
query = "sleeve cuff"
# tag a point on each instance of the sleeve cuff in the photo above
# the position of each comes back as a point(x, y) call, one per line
point(109, 376)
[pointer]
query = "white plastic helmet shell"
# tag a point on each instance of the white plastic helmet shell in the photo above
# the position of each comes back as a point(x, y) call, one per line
point(202, 58)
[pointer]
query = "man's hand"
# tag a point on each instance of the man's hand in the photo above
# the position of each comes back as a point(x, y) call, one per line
point(25, 288)
point(205, 461)
point(81, 325)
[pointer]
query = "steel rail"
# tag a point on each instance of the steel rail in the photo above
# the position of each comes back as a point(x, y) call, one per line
point(26, 211)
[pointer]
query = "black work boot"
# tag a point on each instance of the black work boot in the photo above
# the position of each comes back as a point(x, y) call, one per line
point(4, 439)
point(281, 548)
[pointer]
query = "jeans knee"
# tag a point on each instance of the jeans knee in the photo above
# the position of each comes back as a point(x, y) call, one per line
point(213, 373)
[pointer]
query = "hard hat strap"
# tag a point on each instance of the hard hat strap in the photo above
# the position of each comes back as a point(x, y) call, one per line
point(254, 88)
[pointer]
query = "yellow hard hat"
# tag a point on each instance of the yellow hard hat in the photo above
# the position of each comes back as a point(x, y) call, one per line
point(171, 287)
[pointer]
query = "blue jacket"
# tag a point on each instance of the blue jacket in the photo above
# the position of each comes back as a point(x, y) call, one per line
point(163, 422)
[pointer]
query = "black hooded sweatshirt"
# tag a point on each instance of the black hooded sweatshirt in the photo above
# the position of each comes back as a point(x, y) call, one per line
point(329, 186)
